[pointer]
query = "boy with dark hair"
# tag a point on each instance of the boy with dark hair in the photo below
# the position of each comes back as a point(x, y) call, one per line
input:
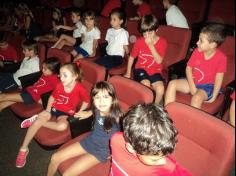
point(150, 51)
point(149, 137)
point(205, 69)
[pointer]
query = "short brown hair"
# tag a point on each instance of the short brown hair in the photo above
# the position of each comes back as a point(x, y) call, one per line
point(148, 23)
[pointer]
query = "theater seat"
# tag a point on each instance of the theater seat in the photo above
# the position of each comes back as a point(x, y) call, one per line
point(206, 145)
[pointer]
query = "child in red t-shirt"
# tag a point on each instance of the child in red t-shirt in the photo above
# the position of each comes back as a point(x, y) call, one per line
point(232, 110)
point(61, 104)
point(46, 83)
point(144, 147)
point(205, 69)
point(110, 5)
point(143, 9)
point(150, 50)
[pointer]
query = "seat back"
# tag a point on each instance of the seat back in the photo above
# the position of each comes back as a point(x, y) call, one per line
point(64, 56)
point(178, 40)
point(130, 92)
point(92, 73)
point(206, 145)
point(104, 25)
point(158, 9)
point(41, 54)
point(228, 48)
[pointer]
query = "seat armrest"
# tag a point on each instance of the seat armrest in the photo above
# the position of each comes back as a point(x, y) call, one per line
point(29, 79)
point(78, 127)
point(177, 70)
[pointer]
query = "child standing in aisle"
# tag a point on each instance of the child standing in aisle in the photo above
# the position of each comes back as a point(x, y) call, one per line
point(95, 147)
point(46, 83)
point(90, 37)
point(117, 38)
point(205, 69)
point(62, 103)
point(150, 50)
point(30, 64)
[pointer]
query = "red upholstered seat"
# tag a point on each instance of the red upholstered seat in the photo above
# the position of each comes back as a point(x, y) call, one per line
point(206, 145)
point(64, 56)
point(228, 48)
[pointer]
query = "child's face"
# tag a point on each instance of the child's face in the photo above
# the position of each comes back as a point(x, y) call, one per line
point(67, 77)
point(89, 22)
point(46, 71)
point(115, 21)
point(165, 3)
point(149, 34)
point(136, 2)
point(103, 101)
point(74, 17)
point(204, 44)
point(55, 15)
point(28, 53)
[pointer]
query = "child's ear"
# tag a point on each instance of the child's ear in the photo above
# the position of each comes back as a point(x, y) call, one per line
point(129, 148)
point(213, 45)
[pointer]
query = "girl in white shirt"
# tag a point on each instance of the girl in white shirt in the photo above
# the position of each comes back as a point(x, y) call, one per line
point(90, 36)
point(117, 38)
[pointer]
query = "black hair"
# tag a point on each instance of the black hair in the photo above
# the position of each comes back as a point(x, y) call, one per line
point(74, 69)
point(30, 45)
point(92, 14)
point(2, 36)
point(171, 1)
point(215, 33)
point(115, 111)
point(149, 130)
point(121, 15)
point(148, 23)
point(53, 64)
point(76, 11)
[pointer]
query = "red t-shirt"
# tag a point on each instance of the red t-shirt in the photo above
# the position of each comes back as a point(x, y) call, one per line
point(204, 71)
point(8, 54)
point(43, 85)
point(125, 163)
point(233, 95)
point(111, 4)
point(68, 102)
point(145, 58)
point(144, 9)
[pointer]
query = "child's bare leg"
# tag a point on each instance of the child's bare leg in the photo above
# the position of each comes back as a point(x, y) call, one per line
point(5, 104)
point(83, 164)
point(15, 97)
point(180, 85)
point(146, 82)
point(63, 155)
point(78, 57)
point(66, 40)
point(232, 113)
point(159, 89)
point(60, 125)
point(198, 98)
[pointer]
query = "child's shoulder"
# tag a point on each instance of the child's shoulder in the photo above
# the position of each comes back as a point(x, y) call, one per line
point(118, 137)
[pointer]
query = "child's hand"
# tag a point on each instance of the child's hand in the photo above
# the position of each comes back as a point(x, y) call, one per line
point(58, 27)
point(211, 100)
point(149, 40)
point(81, 114)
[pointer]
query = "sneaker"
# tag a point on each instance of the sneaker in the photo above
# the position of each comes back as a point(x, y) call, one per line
point(28, 122)
point(21, 158)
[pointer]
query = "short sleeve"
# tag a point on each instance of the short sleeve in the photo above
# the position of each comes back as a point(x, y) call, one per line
point(191, 62)
point(97, 34)
point(222, 66)
point(84, 94)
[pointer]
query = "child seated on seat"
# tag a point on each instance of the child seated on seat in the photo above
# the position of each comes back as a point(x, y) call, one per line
point(30, 64)
point(143, 9)
point(46, 83)
point(205, 69)
point(143, 148)
point(150, 51)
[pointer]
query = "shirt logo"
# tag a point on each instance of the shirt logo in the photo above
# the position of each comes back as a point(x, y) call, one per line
point(62, 100)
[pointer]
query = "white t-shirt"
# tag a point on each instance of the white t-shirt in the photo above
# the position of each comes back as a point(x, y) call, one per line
point(87, 44)
point(116, 39)
point(27, 67)
point(78, 31)
point(174, 17)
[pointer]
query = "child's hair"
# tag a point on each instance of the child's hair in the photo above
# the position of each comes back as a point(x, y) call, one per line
point(30, 45)
point(215, 33)
point(148, 23)
point(91, 14)
point(2, 37)
point(76, 11)
point(171, 1)
point(58, 11)
point(53, 64)
point(74, 70)
point(115, 111)
point(149, 130)
point(121, 15)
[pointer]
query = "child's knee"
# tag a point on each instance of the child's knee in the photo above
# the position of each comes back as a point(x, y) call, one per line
point(62, 126)
point(197, 99)
point(55, 159)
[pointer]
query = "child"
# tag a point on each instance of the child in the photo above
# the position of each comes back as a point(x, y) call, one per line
point(110, 5)
point(144, 147)
point(90, 37)
point(117, 38)
point(7, 52)
point(150, 50)
point(77, 31)
point(57, 19)
point(46, 83)
point(95, 147)
point(62, 103)
point(232, 110)
point(143, 9)
point(30, 64)
point(174, 17)
point(205, 69)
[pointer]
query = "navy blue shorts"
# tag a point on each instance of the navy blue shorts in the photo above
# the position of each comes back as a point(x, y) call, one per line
point(57, 113)
point(109, 62)
point(81, 51)
point(208, 88)
point(27, 98)
point(140, 75)
point(7, 83)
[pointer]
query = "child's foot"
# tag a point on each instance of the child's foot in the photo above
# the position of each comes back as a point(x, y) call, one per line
point(21, 158)
point(28, 122)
